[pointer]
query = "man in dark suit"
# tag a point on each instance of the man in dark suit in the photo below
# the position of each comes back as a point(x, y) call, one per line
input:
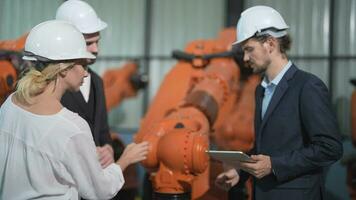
point(89, 102)
point(297, 136)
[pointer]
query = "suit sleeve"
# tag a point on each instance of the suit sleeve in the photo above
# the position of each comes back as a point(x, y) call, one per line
point(323, 146)
point(104, 131)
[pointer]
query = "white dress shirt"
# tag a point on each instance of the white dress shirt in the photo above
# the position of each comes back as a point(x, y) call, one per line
point(270, 87)
point(85, 87)
point(51, 157)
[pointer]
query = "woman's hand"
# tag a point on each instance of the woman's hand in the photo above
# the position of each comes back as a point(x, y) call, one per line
point(133, 153)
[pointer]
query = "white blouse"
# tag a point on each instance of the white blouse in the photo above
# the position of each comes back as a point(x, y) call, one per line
point(51, 157)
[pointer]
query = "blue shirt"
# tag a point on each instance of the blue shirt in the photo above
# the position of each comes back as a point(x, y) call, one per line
point(270, 87)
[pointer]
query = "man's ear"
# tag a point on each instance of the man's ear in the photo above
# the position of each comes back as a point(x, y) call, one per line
point(270, 44)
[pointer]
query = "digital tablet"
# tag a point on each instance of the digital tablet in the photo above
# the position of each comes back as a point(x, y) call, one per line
point(230, 157)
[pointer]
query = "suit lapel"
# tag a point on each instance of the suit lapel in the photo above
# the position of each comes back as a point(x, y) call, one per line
point(97, 92)
point(281, 89)
point(78, 97)
point(278, 94)
point(259, 97)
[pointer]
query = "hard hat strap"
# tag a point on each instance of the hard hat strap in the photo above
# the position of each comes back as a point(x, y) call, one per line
point(41, 62)
point(37, 57)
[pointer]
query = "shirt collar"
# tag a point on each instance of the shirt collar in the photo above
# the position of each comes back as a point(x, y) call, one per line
point(278, 78)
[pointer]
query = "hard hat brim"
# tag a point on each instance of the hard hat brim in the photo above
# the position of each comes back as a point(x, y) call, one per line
point(29, 58)
point(99, 27)
point(86, 55)
point(89, 55)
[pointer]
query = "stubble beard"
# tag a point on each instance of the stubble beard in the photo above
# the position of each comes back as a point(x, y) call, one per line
point(256, 69)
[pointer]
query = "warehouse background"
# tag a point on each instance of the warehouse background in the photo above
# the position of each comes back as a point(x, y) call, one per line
point(323, 33)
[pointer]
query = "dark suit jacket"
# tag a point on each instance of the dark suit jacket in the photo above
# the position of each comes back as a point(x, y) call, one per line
point(95, 115)
point(300, 133)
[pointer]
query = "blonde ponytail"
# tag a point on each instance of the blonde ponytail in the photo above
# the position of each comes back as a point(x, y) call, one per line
point(34, 82)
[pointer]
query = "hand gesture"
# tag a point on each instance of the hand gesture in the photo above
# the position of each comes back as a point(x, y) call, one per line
point(133, 153)
point(227, 179)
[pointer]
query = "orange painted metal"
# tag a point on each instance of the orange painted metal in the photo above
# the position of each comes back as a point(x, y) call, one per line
point(117, 85)
point(353, 117)
point(8, 76)
point(237, 131)
point(351, 164)
point(8, 72)
point(194, 99)
point(14, 45)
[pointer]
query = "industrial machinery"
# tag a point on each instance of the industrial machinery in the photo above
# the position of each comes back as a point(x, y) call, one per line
point(11, 64)
point(122, 83)
point(353, 113)
point(188, 114)
point(8, 75)
point(350, 162)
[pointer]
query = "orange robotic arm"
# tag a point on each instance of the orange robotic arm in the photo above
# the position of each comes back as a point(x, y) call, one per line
point(122, 83)
point(10, 64)
point(8, 76)
point(351, 161)
point(237, 132)
point(14, 45)
point(353, 114)
point(182, 115)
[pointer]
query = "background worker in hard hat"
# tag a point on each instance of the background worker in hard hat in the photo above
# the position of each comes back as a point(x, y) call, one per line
point(297, 135)
point(89, 102)
point(46, 150)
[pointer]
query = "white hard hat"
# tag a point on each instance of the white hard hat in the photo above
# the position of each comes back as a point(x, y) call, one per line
point(55, 40)
point(261, 20)
point(82, 15)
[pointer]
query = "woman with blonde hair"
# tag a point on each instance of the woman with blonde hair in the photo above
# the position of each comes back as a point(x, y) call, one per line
point(47, 151)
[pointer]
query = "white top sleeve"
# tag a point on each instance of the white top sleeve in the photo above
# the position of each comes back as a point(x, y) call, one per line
point(86, 173)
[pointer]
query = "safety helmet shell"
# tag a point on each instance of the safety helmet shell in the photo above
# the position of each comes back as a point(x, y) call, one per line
point(257, 19)
point(82, 15)
point(56, 40)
